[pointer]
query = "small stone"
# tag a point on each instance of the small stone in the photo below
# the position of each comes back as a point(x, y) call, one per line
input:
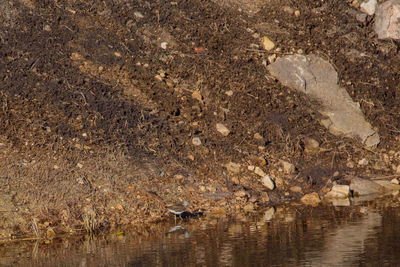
point(269, 214)
point(196, 141)
point(202, 188)
point(338, 191)
point(191, 157)
point(363, 162)
point(311, 199)
point(355, 4)
point(222, 129)
point(271, 58)
point(395, 181)
point(259, 171)
point(288, 168)
point(311, 145)
point(368, 7)
point(229, 93)
point(350, 164)
point(267, 182)
point(235, 180)
point(257, 136)
point(56, 167)
point(251, 167)
point(297, 13)
point(158, 78)
point(79, 165)
point(138, 15)
point(296, 189)
point(47, 28)
point(288, 10)
point(164, 45)
point(267, 43)
point(233, 167)
point(117, 54)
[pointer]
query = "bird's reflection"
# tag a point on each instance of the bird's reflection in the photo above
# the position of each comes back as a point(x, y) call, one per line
point(179, 229)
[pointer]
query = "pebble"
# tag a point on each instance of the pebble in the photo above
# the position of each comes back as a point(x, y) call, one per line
point(196, 141)
point(222, 129)
point(229, 93)
point(297, 13)
point(267, 43)
point(310, 144)
point(47, 28)
point(288, 168)
point(350, 164)
point(394, 181)
point(269, 214)
point(311, 199)
point(158, 78)
point(368, 7)
point(79, 165)
point(259, 171)
point(288, 10)
point(267, 182)
point(258, 136)
point(271, 58)
point(233, 167)
point(363, 162)
point(138, 15)
point(338, 191)
point(164, 45)
point(251, 167)
point(296, 189)
point(235, 180)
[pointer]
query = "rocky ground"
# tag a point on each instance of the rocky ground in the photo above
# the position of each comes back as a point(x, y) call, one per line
point(110, 110)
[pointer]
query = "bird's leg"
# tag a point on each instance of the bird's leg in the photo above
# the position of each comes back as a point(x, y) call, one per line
point(175, 218)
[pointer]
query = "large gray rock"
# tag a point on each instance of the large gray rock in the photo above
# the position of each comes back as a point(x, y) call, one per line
point(318, 79)
point(387, 20)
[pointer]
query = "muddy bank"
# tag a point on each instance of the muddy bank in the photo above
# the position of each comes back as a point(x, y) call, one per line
point(109, 111)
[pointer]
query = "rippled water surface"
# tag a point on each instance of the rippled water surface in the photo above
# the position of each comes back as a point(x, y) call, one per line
point(364, 235)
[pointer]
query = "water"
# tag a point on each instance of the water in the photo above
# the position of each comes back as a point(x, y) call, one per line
point(364, 235)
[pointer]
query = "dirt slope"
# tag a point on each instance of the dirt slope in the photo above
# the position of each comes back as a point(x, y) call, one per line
point(100, 102)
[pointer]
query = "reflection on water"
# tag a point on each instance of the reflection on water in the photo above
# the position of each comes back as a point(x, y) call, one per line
point(364, 235)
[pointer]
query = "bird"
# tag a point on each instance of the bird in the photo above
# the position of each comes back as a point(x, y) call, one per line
point(178, 209)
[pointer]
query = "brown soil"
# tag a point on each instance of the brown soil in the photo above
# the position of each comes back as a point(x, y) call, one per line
point(97, 118)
